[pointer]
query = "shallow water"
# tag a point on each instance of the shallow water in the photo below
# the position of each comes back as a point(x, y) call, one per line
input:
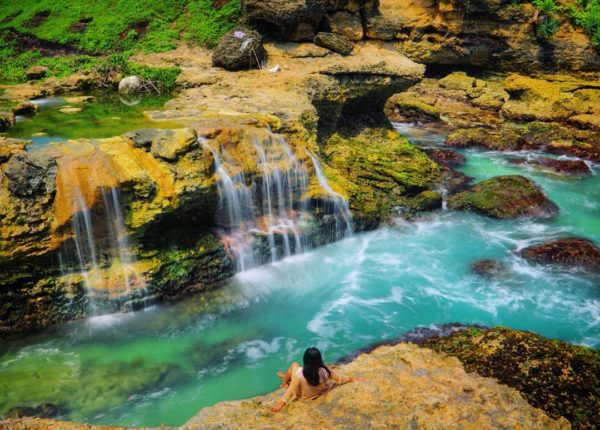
point(163, 364)
point(104, 116)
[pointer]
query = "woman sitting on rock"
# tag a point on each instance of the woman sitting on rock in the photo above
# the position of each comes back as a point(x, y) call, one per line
point(310, 380)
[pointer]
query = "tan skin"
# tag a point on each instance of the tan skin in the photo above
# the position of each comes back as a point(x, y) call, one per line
point(287, 377)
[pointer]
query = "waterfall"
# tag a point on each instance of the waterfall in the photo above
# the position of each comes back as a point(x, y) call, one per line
point(341, 208)
point(99, 243)
point(267, 215)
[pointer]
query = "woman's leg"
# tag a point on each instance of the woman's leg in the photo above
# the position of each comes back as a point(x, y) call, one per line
point(287, 376)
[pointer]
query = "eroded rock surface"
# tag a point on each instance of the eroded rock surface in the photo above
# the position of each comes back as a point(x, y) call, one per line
point(557, 377)
point(405, 387)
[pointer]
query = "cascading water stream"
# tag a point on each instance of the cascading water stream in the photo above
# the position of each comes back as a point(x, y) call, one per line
point(88, 247)
point(271, 206)
point(341, 208)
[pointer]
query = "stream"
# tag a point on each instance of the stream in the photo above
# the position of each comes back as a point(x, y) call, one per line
point(163, 364)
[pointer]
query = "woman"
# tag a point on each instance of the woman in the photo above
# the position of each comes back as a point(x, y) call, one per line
point(310, 380)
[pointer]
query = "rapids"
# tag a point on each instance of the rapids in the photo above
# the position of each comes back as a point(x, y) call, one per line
point(160, 365)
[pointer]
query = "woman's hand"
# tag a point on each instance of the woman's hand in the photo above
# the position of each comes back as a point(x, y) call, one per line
point(356, 379)
point(279, 406)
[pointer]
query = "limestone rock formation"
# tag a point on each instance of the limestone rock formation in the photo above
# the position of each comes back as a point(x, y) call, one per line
point(346, 24)
point(568, 252)
point(505, 197)
point(37, 72)
point(557, 377)
point(405, 387)
point(239, 49)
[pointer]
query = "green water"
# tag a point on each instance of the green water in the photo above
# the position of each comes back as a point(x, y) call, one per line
point(104, 116)
point(163, 364)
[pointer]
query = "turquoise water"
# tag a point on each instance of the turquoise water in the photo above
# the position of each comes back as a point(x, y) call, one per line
point(163, 364)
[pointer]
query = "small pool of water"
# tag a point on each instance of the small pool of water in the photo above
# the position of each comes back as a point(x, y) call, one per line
point(163, 364)
point(106, 115)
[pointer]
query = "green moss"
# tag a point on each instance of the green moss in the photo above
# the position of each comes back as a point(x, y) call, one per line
point(557, 377)
point(380, 170)
point(504, 197)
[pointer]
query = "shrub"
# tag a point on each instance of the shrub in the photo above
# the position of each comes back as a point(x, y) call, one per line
point(587, 16)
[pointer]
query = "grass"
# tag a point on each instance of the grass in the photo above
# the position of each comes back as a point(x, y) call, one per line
point(82, 31)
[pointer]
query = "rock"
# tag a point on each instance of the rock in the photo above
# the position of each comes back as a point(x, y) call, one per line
point(45, 410)
point(488, 268)
point(380, 168)
point(334, 42)
point(405, 387)
point(458, 81)
point(404, 107)
point(295, 20)
point(10, 147)
point(505, 197)
point(166, 144)
point(31, 173)
point(346, 24)
point(557, 377)
point(37, 72)
point(504, 139)
point(240, 49)
point(7, 119)
point(131, 85)
point(25, 107)
point(569, 252)
point(70, 110)
point(79, 99)
point(445, 157)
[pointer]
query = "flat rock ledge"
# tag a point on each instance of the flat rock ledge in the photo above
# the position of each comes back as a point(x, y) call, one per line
point(405, 386)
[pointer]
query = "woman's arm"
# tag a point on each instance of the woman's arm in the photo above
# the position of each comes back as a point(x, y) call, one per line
point(340, 378)
point(290, 393)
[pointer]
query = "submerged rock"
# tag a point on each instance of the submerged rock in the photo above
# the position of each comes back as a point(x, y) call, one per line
point(561, 167)
point(240, 49)
point(505, 197)
point(334, 42)
point(445, 157)
point(557, 377)
point(569, 252)
point(488, 268)
point(405, 387)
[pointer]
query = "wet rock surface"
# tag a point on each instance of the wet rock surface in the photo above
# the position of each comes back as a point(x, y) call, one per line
point(558, 166)
point(557, 377)
point(488, 268)
point(568, 253)
point(31, 173)
point(405, 386)
point(445, 157)
point(240, 49)
point(505, 197)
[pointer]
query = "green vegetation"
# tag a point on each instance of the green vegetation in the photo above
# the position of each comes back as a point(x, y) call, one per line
point(71, 35)
point(587, 16)
point(548, 24)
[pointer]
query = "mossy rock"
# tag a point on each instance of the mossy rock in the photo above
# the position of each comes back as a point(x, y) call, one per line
point(505, 197)
point(569, 252)
point(504, 139)
point(557, 377)
point(381, 170)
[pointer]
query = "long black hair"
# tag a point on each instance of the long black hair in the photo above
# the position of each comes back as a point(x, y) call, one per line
point(313, 362)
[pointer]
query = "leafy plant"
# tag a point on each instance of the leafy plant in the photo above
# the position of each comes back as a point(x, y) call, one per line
point(548, 24)
point(587, 16)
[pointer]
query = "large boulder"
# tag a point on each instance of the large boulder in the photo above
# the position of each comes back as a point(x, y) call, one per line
point(569, 252)
point(557, 377)
point(240, 49)
point(334, 42)
point(37, 72)
point(7, 119)
point(505, 197)
point(131, 85)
